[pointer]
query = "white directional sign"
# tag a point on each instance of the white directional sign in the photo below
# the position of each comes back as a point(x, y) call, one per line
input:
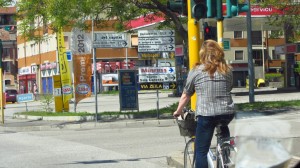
point(157, 78)
point(153, 48)
point(110, 44)
point(109, 36)
point(156, 33)
point(156, 70)
point(110, 40)
point(156, 40)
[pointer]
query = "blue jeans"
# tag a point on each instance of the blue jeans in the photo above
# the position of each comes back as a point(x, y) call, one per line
point(204, 133)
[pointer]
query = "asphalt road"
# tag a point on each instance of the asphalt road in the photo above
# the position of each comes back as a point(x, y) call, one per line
point(132, 143)
point(127, 143)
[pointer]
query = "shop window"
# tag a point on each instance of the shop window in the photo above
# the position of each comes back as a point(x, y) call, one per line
point(239, 55)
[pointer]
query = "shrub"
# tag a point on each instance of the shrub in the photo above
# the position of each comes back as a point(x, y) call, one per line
point(273, 77)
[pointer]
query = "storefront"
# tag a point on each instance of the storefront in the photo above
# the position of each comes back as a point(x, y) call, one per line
point(27, 80)
point(47, 71)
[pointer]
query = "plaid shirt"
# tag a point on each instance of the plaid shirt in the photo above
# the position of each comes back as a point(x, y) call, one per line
point(213, 95)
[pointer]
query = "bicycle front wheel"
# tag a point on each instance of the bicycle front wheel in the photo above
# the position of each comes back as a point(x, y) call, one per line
point(189, 154)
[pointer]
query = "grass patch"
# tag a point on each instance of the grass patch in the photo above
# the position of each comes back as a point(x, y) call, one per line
point(256, 106)
point(267, 105)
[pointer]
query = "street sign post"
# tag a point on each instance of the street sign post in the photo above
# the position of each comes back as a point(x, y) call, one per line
point(24, 98)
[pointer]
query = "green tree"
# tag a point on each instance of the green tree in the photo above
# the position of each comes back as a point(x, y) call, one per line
point(288, 17)
point(74, 12)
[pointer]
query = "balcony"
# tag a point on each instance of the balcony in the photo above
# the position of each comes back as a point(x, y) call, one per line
point(275, 63)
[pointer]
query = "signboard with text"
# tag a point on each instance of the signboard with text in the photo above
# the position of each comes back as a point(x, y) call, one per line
point(155, 41)
point(157, 78)
point(22, 98)
point(128, 92)
point(110, 40)
point(157, 86)
point(151, 78)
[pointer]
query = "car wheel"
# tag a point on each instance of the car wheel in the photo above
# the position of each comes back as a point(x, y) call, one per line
point(13, 102)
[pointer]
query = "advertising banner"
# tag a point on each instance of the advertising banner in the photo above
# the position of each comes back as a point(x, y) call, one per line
point(128, 93)
point(82, 76)
point(110, 80)
point(82, 62)
point(64, 68)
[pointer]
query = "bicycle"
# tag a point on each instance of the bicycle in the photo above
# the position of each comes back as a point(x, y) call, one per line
point(222, 156)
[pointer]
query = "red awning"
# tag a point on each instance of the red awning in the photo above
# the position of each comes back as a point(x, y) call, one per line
point(143, 21)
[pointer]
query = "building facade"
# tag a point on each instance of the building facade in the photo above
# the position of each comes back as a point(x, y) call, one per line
point(38, 62)
point(8, 31)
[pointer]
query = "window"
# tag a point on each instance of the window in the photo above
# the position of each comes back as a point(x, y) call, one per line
point(276, 34)
point(239, 55)
point(7, 82)
point(66, 39)
point(6, 52)
point(258, 57)
point(238, 34)
point(256, 37)
point(6, 66)
point(274, 56)
point(32, 49)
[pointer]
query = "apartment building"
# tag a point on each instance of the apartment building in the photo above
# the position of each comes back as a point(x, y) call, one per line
point(8, 31)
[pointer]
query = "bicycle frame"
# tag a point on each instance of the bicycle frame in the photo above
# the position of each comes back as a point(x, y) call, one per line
point(224, 145)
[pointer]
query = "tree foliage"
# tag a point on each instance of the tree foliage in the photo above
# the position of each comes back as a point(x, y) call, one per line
point(74, 12)
point(288, 17)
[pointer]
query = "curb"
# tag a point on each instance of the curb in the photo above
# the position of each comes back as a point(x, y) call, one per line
point(47, 125)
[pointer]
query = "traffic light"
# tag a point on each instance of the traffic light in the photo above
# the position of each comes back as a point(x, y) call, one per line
point(178, 6)
point(199, 9)
point(234, 8)
point(209, 32)
point(211, 8)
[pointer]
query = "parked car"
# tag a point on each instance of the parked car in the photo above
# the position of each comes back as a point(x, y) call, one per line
point(11, 95)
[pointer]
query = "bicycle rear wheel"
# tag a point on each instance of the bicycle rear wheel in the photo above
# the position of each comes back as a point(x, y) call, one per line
point(225, 156)
point(189, 154)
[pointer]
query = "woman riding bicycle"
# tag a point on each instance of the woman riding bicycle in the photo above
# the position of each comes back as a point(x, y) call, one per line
point(212, 82)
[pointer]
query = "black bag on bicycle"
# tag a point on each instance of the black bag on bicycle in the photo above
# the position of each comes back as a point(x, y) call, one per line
point(187, 124)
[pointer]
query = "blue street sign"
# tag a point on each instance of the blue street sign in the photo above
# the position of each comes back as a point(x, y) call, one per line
point(23, 98)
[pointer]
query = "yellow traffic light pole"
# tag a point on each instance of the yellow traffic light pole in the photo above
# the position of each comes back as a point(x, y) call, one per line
point(193, 45)
point(220, 32)
point(2, 101)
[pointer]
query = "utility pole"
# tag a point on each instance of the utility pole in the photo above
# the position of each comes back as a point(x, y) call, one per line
point(1, 84)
